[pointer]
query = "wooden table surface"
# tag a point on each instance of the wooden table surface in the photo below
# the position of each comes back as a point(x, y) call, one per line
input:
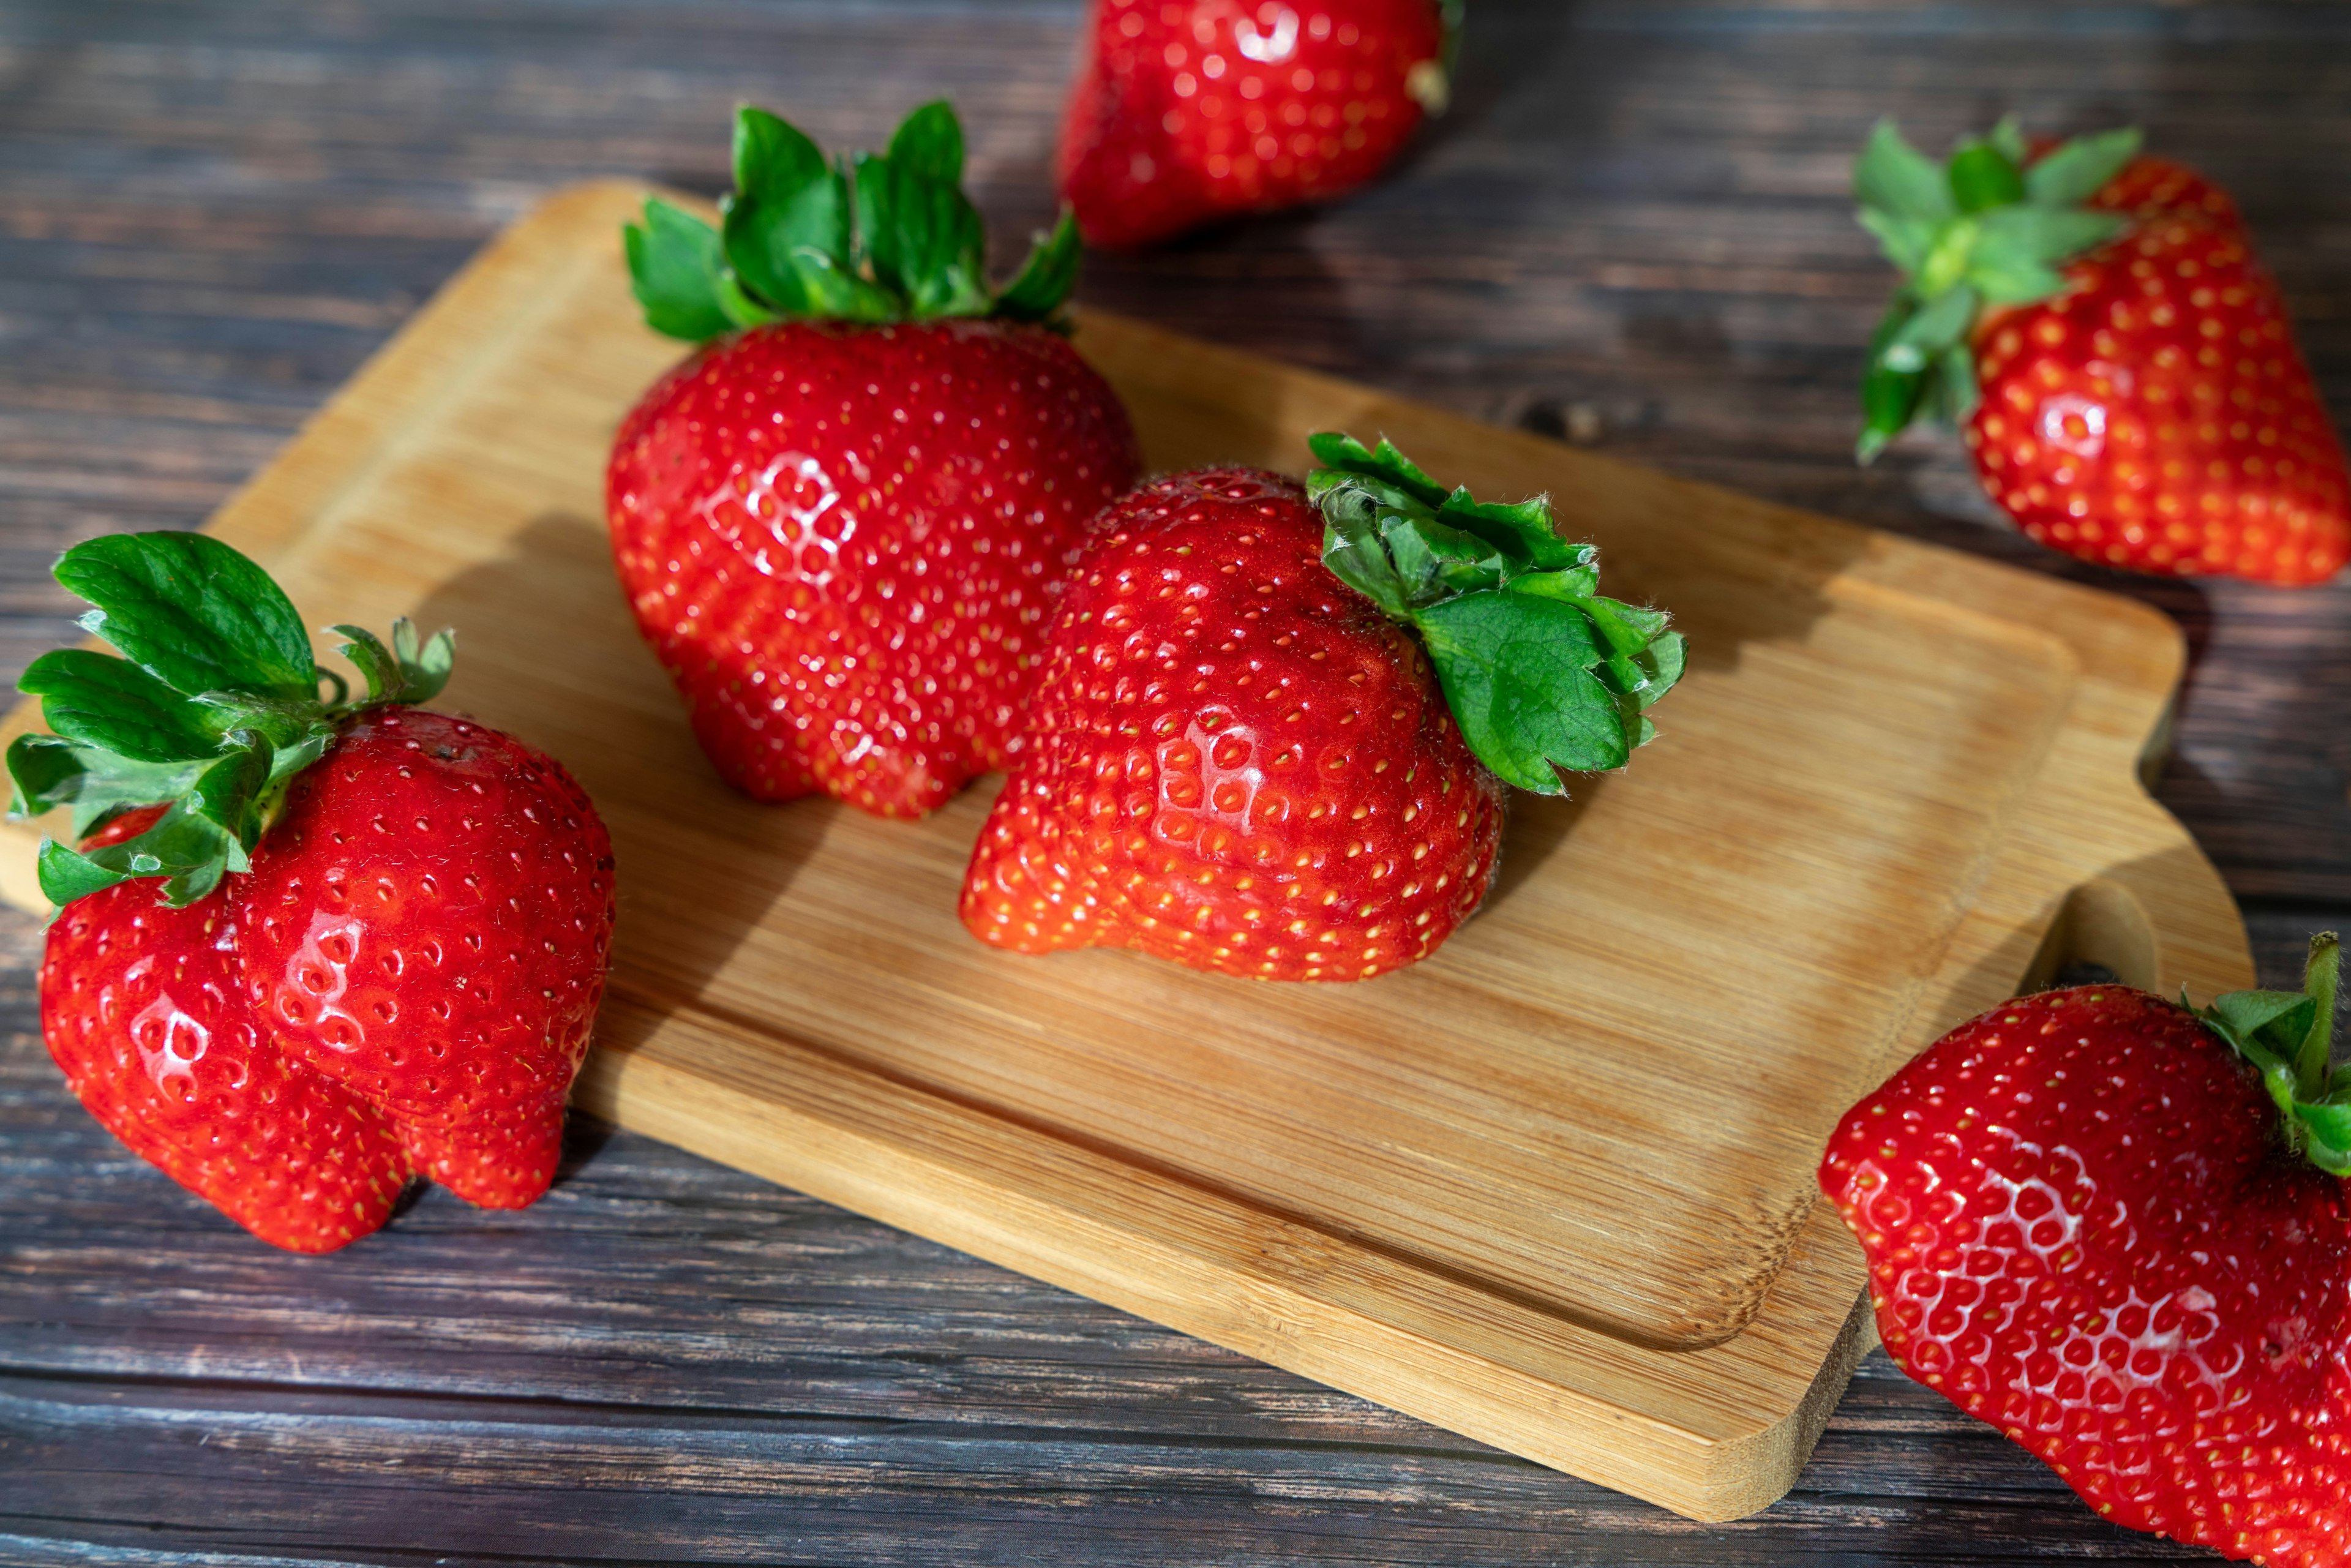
point(1633, 230)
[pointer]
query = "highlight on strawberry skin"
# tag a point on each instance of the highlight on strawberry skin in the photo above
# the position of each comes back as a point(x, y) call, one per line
point(2117, 1230)
point(2094, 322)
point(1276, 722)
point(311, 943)
point(1188, 112)
point(843, 521)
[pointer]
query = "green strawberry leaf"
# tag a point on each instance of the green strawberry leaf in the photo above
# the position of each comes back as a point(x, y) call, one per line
point(1934, 329)
point(1522, 529)
point(1338, 451)
point(2024, 236)
point(1662, 661)
point(403, 673)
point(426, 666)
point(1516, 672)
point(2288, 1037)
point(190, 854)
point(1983, 177)
point(2276, 1021)
point(741, 309)
point(1433, 561)
point(872, 239)
point(2328, 1128)
point(1907, 242)
point(1541, 671)
point(928, 143)
point(1048, 276)
point(1888, 397)
point(675, 261)
point(1357, 555)
point(2074, 173)
point(229, 794)
point(45, 771)
point(922, 237)
point(113, 704)
point(2007, 135)
point(777, 164)
point(192, 612)
point(1896, 178)
point(66, 876)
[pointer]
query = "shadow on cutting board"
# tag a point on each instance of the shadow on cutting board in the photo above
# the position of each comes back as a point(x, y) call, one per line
point(548, 649)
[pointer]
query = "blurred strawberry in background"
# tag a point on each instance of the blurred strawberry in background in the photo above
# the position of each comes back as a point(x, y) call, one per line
point(1190, 110)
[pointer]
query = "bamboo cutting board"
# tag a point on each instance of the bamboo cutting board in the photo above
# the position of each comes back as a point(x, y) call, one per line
point(1551, 1188)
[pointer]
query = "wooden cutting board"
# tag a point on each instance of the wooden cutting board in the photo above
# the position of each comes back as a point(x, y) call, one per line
point(1551, 1188)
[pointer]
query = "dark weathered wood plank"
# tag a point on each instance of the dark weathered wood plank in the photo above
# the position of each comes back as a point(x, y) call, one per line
point(1633, 229)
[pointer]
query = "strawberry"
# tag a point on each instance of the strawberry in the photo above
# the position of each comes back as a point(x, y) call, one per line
point(2118, 1231)
point(400, 970)
point(144, 1010)
point(844, 522)
point(2143, 407)
point(1275, 722)
point(1190, 111)
point(427, 924)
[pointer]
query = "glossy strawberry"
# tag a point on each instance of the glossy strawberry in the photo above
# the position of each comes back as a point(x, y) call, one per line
point(2146, 406)
point(1190, 110)
point(428, 923)
point(402, 969)
point(143, 1009)
point(845, 543)
point(2090, 1223)
point(1244, 754)
point(842, 524)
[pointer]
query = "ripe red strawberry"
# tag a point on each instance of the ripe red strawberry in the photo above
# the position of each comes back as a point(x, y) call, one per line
point(844, 532)
point(427, 924)
point(142, 1009)
point(402, 969)
point(2094, 1225)
point(1239, 756)
point(2146, 406)
point(1190, 111)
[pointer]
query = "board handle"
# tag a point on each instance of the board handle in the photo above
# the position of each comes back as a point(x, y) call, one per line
point(2158, 915)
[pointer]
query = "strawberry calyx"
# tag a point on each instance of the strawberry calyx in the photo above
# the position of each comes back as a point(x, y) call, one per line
point(1544, 673)
point(2289, 1038)
point(1989, 227)
point(873, 238)
point(214, 708)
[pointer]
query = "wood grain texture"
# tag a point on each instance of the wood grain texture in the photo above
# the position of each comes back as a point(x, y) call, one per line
point(1471, 1189)
point(213, 211)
